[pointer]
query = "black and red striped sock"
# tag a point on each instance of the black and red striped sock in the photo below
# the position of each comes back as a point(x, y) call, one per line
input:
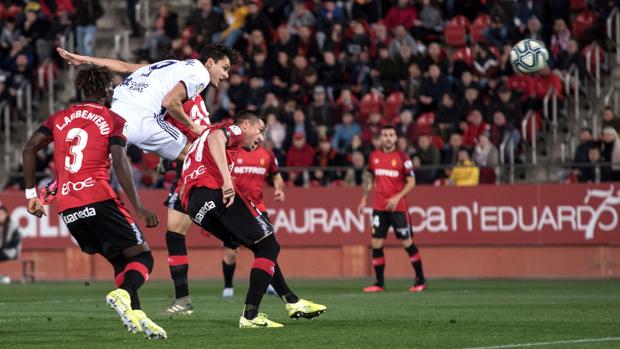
point(378, 262)
point(134, 275)
point(260, 277)
point(178, 263)
point(416, 262)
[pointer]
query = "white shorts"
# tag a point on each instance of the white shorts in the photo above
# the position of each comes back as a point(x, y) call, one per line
point(153, 134)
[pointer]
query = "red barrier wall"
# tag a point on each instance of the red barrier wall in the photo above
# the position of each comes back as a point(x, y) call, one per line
point(487, 231)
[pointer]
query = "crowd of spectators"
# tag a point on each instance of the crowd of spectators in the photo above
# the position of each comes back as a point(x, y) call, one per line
point(29, 32)
point(327, 75)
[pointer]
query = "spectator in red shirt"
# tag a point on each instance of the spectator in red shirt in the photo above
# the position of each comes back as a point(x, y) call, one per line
point(300, 154)
point(402, 14)
point(475, 127)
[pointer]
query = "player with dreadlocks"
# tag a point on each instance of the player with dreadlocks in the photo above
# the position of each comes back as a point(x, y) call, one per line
point(85, 134)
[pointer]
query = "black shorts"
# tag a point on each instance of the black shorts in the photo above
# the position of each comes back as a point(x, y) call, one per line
point(240, 223)
point(103, 227)
point(382, 220)
point(173, 201)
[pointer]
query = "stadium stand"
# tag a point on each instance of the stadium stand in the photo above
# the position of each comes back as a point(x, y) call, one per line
point(373, 59)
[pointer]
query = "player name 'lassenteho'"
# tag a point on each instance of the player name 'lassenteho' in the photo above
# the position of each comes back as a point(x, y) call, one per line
point(104, 128)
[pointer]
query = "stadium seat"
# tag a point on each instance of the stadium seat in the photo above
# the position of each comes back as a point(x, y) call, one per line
point(392, 106)
point(424, 123)
point(578, 5)
point(372, 102)
point(487, 175)
point(596, 49)
point(581, 24)
point(477, 28)
point(455, 32)
point(463, 54)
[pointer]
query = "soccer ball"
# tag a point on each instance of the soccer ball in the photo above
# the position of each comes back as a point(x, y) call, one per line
point(528, 56)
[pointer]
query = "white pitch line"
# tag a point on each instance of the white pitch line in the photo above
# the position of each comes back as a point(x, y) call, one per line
point(523, 345)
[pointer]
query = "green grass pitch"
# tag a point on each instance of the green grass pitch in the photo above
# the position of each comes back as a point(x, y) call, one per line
point(450, 314)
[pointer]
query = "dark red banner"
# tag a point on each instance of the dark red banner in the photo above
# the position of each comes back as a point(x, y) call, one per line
point(484, 215)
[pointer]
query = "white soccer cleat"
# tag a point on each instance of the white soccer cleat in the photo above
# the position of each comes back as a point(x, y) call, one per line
point(181, 306)
point(228, 292)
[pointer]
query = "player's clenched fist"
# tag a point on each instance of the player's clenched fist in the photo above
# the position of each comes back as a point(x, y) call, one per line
point(35, 207)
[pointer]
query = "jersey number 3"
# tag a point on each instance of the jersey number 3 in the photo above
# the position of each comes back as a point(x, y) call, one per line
point(78, 138)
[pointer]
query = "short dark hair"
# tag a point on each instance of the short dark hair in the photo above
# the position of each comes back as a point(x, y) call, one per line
point(388, 127)
point(93, 81)
point(218, 52)
point(247, 114)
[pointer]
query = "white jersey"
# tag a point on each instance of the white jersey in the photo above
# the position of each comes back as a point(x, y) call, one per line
point(138, 100)
point(143, 91)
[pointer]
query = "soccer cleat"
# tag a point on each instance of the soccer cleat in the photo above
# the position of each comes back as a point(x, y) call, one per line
point(228, 292)
point(165, 165)
point(304, 308)
point(151, 330)
point(181, 306)
point(259, 321)
point(271, 291)
point(120, 301)
point(48, 192)
point(373, 289)
point(417, 288)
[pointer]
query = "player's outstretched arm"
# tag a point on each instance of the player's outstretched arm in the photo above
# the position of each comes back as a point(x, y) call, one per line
point(123, 172)
point(37, 141)
point(217, 147)
point(367, 179)
point(278, 184)
point(114, 65)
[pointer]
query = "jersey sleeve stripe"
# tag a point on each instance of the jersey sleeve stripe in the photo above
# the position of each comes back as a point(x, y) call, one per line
point(186, 91)
point(46, 131)
point(118, 140)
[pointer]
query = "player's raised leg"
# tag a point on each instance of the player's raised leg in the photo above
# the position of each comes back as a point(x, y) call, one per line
point(295, 307)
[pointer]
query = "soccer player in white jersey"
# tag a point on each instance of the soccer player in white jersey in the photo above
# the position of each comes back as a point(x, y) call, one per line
point(143, 98)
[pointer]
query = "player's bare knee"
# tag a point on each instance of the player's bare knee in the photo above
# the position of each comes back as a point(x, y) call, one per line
point(178, 222)
point(230, 255)
point(377, 243)
point(406, 243)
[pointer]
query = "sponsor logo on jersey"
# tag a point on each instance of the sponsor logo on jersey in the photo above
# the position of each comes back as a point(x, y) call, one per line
point(200, 87)
point(235, 130)
point(198, 172)
point(104, 128)
point(208, 206)
point(386, 173)
point(85, 213)
point(250, 170)
point(68, 187)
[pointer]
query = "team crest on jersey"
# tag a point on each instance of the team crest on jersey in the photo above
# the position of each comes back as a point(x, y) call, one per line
point(239, 161)
point(261, 162)
point(376, 161)
point(235, 130)
point(394, 163)
point(199, 88)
